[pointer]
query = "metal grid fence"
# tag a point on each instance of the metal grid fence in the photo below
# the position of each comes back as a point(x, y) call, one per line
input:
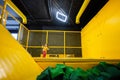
point(61, 44)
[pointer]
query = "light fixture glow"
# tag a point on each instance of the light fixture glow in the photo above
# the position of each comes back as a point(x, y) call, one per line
point(60, 16)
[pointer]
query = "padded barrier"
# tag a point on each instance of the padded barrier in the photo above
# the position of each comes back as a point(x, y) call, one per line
point(15, 62)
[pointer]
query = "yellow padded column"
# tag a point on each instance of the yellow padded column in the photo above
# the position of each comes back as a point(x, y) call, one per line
point(15, 62)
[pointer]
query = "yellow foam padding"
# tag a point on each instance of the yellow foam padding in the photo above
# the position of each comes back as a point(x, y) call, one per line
point(15, 62)
point(101, 36)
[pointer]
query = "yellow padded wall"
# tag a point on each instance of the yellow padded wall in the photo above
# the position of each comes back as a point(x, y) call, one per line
point(15, 62)
point(101, 36)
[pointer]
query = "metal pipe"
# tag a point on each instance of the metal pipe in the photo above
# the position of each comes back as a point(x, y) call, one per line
point(82, 9)
point(11, 4)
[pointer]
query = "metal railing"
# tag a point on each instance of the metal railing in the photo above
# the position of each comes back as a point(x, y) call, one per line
point(59, 42)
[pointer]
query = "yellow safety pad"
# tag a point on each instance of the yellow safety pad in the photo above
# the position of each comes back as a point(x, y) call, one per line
point(101, 36)
point(15, 62)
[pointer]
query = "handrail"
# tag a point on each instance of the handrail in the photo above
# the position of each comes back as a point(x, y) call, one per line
point(12, 5)
point(82, 9)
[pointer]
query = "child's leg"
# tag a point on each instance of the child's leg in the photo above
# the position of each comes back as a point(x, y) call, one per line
point(44, 53)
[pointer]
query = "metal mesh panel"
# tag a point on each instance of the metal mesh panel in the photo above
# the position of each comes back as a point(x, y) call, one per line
point(73, 39)
point(76, 51)
point(37, 38)
point(35, 52)
point(56, 51)
point(23, 36)
point(56, 39)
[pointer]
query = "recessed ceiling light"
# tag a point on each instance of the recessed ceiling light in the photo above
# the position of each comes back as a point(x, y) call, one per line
point(60, 16)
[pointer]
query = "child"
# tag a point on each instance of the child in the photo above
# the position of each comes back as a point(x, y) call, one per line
point(44, 51)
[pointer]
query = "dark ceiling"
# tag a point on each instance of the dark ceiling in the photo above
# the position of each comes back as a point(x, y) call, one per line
point(41, 14)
